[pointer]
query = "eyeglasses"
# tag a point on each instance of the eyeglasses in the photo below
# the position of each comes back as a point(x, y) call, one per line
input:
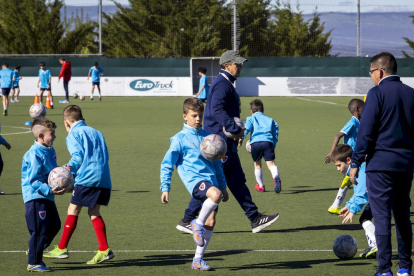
point(372, 71)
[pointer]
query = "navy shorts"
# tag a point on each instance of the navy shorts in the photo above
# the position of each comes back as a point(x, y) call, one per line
point(263, 150)
point(5, 91)
point(97, 83)
point(90, 196)
point(47, 89)
point(16, 86)
point(200, 191)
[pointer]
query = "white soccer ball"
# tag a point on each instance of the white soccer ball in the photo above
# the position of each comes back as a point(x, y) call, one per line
point(81, 97)
point(239, 122)
point(213, 147)
point(345, 247)
point(248, 147)
point(37, 110)
point(61, 177)
point(75, 96)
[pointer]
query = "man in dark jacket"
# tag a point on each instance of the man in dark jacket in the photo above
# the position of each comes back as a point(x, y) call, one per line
point(66, 73)
point(223, 104)
point(386, 141)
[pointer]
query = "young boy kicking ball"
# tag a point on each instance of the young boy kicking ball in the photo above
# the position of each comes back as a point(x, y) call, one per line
point(93, 186)
point(263, 139)
point(204, 179)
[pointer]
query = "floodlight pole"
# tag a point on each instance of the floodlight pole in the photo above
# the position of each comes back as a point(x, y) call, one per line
point(358, 53)
point(234, 26)
point(100, 27)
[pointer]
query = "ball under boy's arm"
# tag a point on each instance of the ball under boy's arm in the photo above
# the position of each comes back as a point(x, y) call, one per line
point(168, 163)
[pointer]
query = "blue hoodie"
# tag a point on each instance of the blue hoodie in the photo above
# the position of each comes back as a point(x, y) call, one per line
point(90, 157)
point(6, 78)
point(360, 197)
point(37, 163)
point(263, 129)
point(184, 153)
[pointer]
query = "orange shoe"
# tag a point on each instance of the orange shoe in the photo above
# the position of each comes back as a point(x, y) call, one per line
point(258, 188)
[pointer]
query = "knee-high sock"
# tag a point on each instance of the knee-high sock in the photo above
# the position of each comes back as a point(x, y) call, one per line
point(68, 229)
point(201, 250)
point(208, 207)
point(274, 170)
point(259, 177)
point(369, 228)
point(100, 231)
point(340, 197)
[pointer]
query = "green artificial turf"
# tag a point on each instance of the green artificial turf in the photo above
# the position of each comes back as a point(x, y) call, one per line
point(141, 230)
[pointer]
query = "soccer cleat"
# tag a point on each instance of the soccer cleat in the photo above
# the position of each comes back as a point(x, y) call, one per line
point(101, 256)
point(65, 101)
point(404, 272)
point(5, 113)
point(2, 193)
point(38, 268)
point(278, 184)
point(383, 274)
point(258, 188)
point(184, 227)
point(346, 182)
point(369, 253)
point(16, 100)
point(200, 264)
point(12, 101)
point(57, 253)
point(198, 232)
point(263, 221)
point(334, 211)
point(91, 98)
point(100, 98)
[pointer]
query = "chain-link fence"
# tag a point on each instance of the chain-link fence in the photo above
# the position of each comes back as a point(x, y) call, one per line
point(205, 28)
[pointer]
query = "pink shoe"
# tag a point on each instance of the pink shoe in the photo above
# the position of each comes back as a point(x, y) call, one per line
point(16, 100)
point(258, 188)
point(12, 101)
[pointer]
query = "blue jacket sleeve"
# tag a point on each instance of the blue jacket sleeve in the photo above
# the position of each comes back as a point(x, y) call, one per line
point(219, 101)
point(77, 152)
point(221, 179)
point(368, 129)
point(2, 140)
point(168, 163)
point(358, 200)
point(34, 176)
point(275, 133)
point(249, 127)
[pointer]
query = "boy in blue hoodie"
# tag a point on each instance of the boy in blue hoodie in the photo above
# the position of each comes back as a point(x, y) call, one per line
point(6, 83)
point(341, 156)
point(42, 217)
point(263, 139)
point(204, 179)
point(89, 164)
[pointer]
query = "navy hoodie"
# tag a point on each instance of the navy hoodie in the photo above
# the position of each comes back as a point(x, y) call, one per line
point(386, 132)
point(223, 104)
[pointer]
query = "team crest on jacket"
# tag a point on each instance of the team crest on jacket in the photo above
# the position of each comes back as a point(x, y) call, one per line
point(224, 159)
point(54, 157)
point(202, 186)
point(42, 214)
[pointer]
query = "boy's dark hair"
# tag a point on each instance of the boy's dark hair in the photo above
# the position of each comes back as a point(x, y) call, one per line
point(354, 104)
point(202, 70)
point(385, 61)
point(62, 59)
point(45, 122)
point(42, 63)
point(18, 66)
point(256, 106)
point(95, 63)
point(5, 64)
point(73, 113)
point(341, 153)
point(193, 104)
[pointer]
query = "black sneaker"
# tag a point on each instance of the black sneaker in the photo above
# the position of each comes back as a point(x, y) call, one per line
point(263, 221)
point(184, 227)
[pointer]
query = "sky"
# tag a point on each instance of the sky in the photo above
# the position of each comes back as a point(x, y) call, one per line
point(307, 6)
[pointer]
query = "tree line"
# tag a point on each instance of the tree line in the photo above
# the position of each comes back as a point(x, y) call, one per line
point(163, 28)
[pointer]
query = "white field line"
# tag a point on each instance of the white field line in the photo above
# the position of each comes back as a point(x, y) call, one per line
point(15, 133)
point(309, 100)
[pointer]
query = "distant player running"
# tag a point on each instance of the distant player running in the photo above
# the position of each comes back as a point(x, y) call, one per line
point(16, 87)
point(97, 73)
point(45, 82)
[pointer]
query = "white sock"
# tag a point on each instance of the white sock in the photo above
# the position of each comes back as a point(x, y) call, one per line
point(201, 250)
point(4, 107)
point(259, 177)
point(208, 207)
point(369, 228)
point(340, 197)
point(51, 103)
point(274, 171)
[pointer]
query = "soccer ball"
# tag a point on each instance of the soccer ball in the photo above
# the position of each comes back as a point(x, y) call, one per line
point(75, 96)
point(213, 147)
point(248, 147)
point(81, 97)
point(37, 110)
point(345, 247)
point(61, 177)
point(239, 122)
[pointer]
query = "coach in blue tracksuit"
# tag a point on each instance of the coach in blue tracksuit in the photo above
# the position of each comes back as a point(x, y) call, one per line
point(223, 104)
point(386, 138)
